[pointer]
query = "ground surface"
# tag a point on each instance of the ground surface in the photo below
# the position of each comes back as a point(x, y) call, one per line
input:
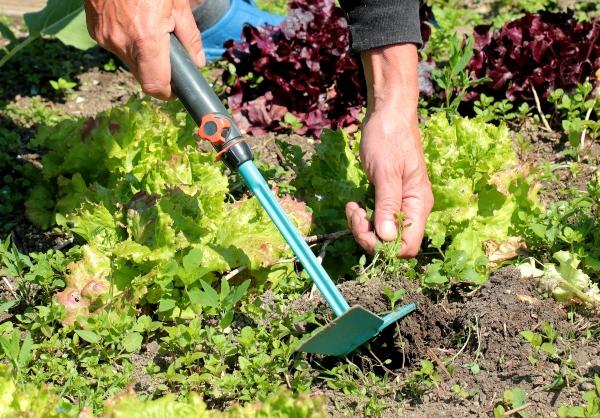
point(480, 328)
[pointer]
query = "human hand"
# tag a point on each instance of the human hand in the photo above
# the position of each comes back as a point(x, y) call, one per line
point(138, 32)
point(392, 156)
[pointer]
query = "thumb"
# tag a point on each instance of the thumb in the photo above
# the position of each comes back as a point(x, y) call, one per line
point(388, 202)
point(188, 33)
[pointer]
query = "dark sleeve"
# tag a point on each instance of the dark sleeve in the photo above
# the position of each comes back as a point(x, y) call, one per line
point(375, 23)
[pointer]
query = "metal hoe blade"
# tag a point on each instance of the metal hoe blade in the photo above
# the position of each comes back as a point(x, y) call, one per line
point(353, 326)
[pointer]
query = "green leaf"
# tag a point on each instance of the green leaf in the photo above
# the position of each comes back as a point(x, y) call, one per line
point(192, 260)
point(549, 348)
point(571, 412)
point(89, 336)
point(10, 346)
point(515, 397)
point(7, 33)
point(64, 19)
point(239, 292)
point(465, 57)
point(227, 319)
point(166, 304)
point(532, 338)
point(211, 294)
point(224, 289)
point(5, 306)
point(132, 342)
point(25, 352)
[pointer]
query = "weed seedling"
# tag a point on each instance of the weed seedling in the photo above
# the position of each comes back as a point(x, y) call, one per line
point(514, 400)
point(18, 353)
point(541, 342)
point(62, 86)
point(591, 407)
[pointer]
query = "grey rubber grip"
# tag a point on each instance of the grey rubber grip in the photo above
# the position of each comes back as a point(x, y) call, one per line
point(190, 87)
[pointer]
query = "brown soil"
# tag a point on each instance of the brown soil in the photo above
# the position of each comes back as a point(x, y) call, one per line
point(550, 147)
point(482, 328)
point(142, 382)
point(266, 147)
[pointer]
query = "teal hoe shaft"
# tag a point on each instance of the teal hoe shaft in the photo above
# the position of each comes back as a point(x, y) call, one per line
point(267, 199)
point(352, 326)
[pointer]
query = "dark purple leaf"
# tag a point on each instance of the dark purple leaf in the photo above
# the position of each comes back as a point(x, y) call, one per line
point(543, 50)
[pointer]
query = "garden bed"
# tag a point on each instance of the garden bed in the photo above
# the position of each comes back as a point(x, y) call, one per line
point(485, 339)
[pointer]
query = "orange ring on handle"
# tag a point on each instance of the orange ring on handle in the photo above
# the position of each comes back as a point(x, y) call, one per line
point(212, 128)
point(227, 147)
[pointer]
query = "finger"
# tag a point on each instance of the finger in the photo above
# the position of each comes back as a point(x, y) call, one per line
point(187, 32)
point(388, 202)
point(416, 210)
point(361, 227)
point(153, 66)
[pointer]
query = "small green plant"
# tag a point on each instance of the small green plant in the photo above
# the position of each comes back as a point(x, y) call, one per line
point(453, 78)
point(591, 407)
point(394, 296)
point(422, 379)
point(18, 351)
point(489, 109)
point(577, 114)
point(455, 268)
point(110, 66)
point(541, 342)
point(291, 122)
point(513, 399)
point(63, 86)
point(222, 302)
point(462, 393)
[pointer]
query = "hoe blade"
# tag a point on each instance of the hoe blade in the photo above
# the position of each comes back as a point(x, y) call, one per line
point(345, 333)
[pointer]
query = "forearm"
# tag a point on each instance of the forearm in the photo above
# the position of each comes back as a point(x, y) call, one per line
point(391, 75)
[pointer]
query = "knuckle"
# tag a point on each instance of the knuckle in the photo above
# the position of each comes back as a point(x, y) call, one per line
point(196, 39)
point(410, 252)
point(387, 204)
point(156, 89)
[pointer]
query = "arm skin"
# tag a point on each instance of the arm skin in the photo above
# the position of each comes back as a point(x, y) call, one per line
point(138, 31)
point(391, 151)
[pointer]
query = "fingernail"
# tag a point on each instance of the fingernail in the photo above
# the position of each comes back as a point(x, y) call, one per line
point(388, 230)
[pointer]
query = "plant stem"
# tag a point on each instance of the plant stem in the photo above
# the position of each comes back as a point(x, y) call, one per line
point(539, 109)
point(517, 409)
point(9, 286)
point(587, 117)
point(17, 48)
point(327, 237)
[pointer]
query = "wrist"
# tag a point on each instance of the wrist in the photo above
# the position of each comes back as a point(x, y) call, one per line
point(391, 74)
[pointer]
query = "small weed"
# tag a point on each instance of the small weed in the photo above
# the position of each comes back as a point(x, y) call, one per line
point(541, 342)
point(462, 393)
point(513, 399)
point(63, 87)
point(110, 66)
point(577, 114)
point(453, 78)
point(591, 407)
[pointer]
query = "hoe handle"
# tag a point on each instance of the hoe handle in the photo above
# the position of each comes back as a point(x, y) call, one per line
point(204, 105)
point(217, 126)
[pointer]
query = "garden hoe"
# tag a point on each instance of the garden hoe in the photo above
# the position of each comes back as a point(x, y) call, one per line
point(353, 325)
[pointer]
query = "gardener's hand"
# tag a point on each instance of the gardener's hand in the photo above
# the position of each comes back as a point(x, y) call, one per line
point(138, 31)
point(391, 152)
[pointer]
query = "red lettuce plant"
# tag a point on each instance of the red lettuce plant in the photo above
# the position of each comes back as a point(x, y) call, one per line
point(544, 51)
point(302, 67)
